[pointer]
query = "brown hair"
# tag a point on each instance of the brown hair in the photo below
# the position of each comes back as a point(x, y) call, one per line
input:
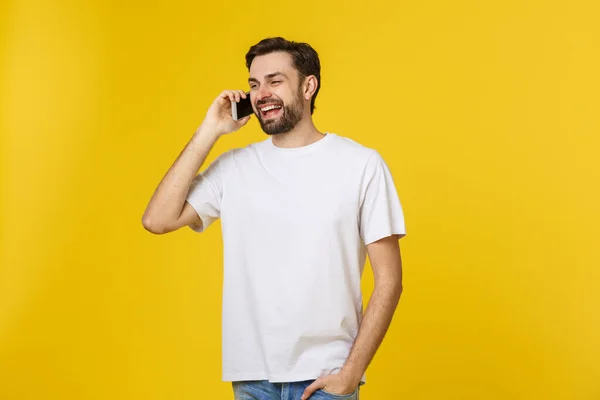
point(304, 58)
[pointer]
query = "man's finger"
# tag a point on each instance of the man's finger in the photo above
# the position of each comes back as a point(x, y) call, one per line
point(310, 389)
point(228, 94)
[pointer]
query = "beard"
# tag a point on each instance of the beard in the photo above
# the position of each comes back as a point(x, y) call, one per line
point(290, 116)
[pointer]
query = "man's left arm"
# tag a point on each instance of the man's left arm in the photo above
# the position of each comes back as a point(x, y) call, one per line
point(386, 262)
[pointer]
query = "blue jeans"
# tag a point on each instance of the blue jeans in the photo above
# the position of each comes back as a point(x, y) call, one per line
point(265, 390)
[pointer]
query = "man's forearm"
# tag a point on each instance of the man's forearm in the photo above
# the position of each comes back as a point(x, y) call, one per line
point(373, 328)
point(169, 197)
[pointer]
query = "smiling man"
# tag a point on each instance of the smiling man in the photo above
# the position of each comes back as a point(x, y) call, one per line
point(300, 212)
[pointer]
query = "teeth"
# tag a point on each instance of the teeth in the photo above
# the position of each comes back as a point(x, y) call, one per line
point(265, 109)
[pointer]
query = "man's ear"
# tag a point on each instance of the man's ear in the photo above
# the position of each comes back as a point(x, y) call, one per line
point(310, 86)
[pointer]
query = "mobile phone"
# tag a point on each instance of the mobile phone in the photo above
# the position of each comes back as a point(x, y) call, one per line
point(242, 108)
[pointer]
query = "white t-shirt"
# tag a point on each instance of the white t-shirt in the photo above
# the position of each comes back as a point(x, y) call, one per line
point(295, 225)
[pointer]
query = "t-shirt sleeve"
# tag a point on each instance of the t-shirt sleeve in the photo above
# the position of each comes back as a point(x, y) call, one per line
point(381, 213)
point(206, 192)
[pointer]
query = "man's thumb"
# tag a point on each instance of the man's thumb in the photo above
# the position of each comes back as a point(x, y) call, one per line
point(311, 389)
point(244, 120)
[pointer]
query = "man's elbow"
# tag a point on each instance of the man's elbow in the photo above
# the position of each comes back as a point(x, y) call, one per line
point(392, 287)
point(152, 227)
point(396, 290)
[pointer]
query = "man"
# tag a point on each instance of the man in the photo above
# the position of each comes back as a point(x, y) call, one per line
point(300, 211)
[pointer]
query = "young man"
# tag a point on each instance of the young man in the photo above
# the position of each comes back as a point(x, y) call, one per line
point(300, 211)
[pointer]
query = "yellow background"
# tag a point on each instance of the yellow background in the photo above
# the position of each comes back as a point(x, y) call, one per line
point(486, 112)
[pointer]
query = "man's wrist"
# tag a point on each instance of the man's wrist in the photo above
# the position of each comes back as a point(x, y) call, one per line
point(207, 131)
point(352, 375)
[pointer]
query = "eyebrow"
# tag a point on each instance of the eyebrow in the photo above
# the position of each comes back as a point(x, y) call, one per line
point(268, 76)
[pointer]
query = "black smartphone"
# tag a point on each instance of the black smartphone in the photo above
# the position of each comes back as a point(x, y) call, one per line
point(242, 108)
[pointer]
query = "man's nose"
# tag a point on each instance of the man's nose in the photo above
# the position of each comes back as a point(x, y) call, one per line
point(263, 93)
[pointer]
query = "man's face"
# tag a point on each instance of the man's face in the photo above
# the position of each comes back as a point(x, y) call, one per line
point(275, 93)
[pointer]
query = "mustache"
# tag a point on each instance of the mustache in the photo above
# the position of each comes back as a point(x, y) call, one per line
point(268, 101)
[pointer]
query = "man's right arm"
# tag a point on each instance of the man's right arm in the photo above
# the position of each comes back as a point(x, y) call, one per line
point(167, 210)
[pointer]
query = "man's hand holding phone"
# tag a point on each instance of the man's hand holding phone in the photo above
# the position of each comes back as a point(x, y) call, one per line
point(219, 118)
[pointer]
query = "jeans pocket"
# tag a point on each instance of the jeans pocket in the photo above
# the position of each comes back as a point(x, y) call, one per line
point(338, 396)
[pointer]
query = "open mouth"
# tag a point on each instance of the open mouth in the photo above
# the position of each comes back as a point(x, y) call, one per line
point(270, 111)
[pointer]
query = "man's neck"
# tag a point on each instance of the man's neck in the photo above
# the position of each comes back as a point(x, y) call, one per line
point(303, 134)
